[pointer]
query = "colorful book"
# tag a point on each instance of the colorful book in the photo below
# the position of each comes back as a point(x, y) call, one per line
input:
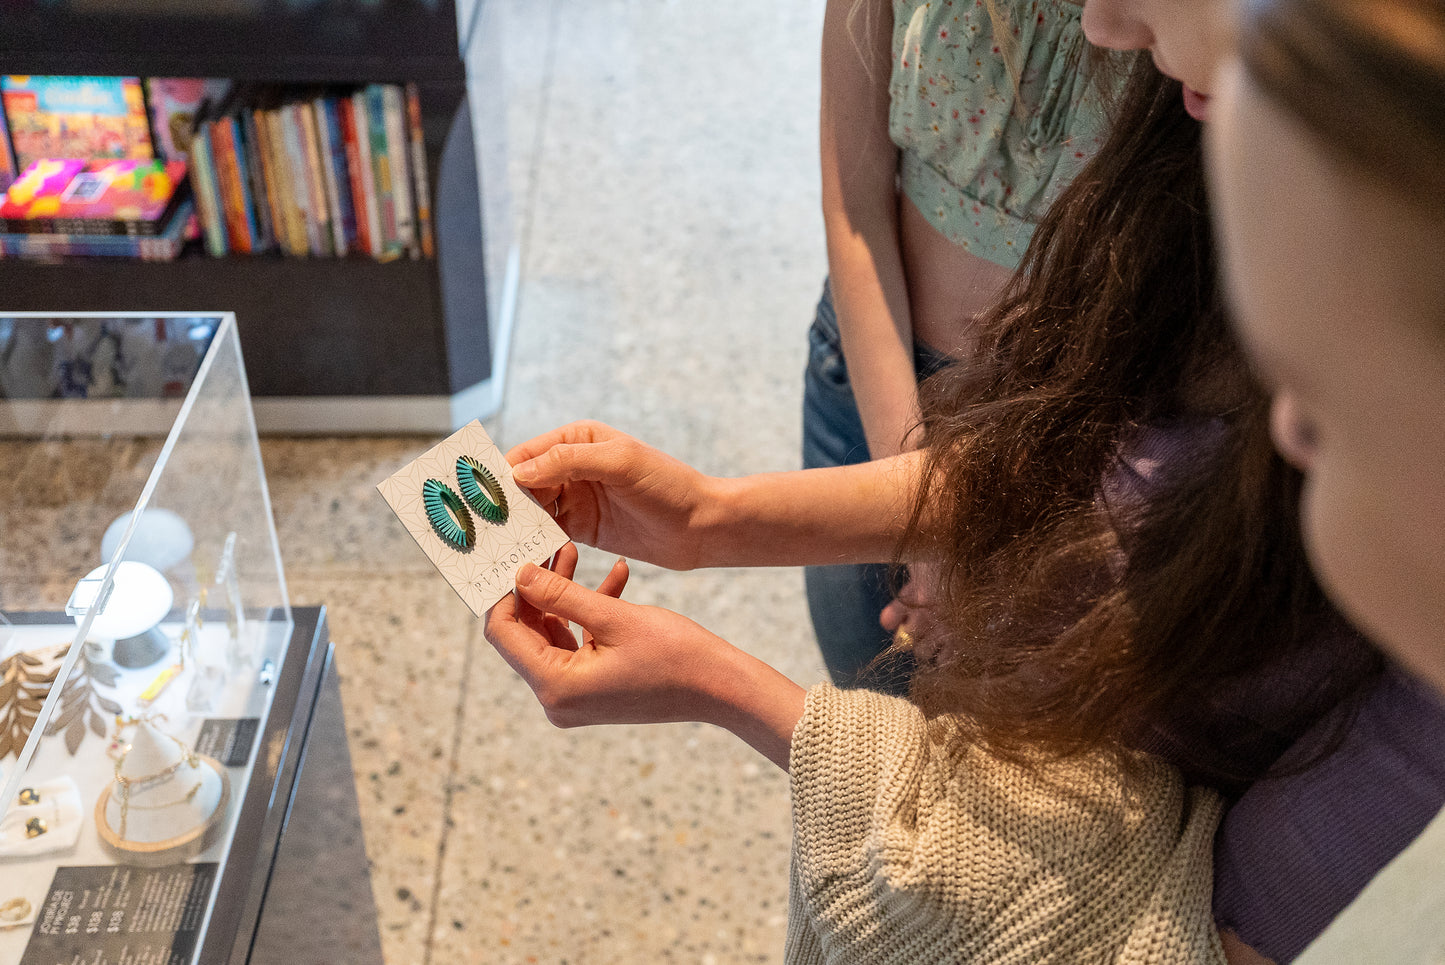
point(256, 177)
point(398, 148)
point(315, 178)
point(418, 172)
point(175, 104)
point(35, 195)
point(231, 183)
point(298, 176)
point(90, 118)
point(381, 175)
point(342, 168)
point(165, 246)
point(8, 170)
point(104, 198)
point(358, 147)
point(208, 198)
point(295, 233)
point(329, 179)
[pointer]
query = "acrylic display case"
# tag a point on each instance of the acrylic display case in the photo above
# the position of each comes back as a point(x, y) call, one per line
point(157, 687)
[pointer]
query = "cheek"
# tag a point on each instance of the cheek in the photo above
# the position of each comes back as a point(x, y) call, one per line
point(1371, 546)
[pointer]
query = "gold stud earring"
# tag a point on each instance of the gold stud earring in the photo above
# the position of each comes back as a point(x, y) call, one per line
point(35, 827)
point(28, 796)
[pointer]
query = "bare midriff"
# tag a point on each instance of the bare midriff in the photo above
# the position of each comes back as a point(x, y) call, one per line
point(947, 286)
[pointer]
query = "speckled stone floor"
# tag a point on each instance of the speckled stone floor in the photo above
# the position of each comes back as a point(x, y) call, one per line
point(663, 181)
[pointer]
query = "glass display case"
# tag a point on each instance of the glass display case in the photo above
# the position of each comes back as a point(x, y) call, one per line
point(152, 672)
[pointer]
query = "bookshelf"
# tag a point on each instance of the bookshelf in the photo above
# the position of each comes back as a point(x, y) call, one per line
point(331, 344)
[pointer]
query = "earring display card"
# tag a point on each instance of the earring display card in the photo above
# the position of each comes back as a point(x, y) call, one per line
point(484, 570)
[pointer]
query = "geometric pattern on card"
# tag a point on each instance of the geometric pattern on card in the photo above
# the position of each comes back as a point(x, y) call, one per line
point(485, 572)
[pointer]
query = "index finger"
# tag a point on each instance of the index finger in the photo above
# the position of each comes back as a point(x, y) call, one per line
point(587, 430)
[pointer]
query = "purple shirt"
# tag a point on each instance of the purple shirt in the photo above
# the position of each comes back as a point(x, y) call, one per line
point(1295, 849)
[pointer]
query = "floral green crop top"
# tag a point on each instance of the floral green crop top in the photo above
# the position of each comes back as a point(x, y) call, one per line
point(983, 153)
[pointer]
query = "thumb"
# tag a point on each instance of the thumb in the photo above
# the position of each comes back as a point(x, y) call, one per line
point(557, 595)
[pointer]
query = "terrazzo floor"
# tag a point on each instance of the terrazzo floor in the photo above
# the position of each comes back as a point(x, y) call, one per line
point(662, 179)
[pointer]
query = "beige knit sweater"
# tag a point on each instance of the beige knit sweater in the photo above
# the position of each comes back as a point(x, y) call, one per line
point(903, 855)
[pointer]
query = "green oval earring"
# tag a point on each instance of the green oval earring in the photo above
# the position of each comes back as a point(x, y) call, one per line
point(481, 490)
point(448, 516)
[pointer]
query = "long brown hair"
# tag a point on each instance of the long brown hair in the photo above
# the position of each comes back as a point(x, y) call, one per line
point(1077, 615)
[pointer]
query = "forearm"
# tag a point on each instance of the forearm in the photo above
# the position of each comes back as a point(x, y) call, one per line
point(860, 219)
point(809, 517)
point(871, 299)
point(757, 703)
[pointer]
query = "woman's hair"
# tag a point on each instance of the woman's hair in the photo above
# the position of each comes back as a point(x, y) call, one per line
point(1367, 79)
point(1082, 604)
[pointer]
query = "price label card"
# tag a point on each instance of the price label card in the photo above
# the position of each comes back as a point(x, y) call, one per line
point(474, 523)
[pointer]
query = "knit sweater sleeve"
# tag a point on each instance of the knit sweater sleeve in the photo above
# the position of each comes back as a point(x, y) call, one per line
point(907, 849)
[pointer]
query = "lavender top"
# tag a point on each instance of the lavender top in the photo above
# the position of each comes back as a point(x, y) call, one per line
point(1294, 850)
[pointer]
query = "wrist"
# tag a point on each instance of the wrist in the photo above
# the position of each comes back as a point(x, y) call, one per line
point(715, 522)
point(754, 701)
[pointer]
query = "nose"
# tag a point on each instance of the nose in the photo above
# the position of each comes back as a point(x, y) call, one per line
point(1116, 24)
point(1293, 434)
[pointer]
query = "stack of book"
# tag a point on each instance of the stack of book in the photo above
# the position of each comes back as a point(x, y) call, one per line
point(128, 208)
point(121, 166)
point(323, 176)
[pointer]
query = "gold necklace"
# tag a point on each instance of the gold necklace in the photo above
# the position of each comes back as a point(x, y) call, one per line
point(130, 785)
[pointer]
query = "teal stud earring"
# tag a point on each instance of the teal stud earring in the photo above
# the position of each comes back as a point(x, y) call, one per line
point(448, 516)
point(481, 490)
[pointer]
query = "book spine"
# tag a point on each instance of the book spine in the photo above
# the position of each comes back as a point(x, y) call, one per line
point(328, 176)
point(419, 175)
point(341, 170)
point(260, 198)
point(83, 226)
point(243, 184)
point(381, 171)
point(228, 181)
point(157, 248)
point(366, 190)
point(208, 202)
point(398, 149)
point(294, 234)
point(267, 162)
point(315, 180)
point(297, 175)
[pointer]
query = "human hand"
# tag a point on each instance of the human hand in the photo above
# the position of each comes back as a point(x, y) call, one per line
point(633, 664)
point(608, 490)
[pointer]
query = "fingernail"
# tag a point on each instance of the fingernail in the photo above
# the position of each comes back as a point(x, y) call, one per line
point(523, 472)
point(527, 574)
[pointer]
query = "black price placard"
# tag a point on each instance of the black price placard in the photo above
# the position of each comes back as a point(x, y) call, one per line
point(228, 739)
point(122, 915)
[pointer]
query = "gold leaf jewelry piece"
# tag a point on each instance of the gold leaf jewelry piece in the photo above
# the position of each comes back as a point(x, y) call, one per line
point(481, 490)
point(35, 827)
point(448, 516)
point(28, 796)
point(15, 909)
point(902, 639)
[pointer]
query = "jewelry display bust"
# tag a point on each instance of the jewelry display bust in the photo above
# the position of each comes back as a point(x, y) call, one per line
point(166, 802)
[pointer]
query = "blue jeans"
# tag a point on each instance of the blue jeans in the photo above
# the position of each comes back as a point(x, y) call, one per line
point(846, 600)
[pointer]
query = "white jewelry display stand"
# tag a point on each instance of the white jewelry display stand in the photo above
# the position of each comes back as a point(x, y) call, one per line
point(166, 803)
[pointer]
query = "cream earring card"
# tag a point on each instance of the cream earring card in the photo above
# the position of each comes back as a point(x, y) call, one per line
point(474, 523)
